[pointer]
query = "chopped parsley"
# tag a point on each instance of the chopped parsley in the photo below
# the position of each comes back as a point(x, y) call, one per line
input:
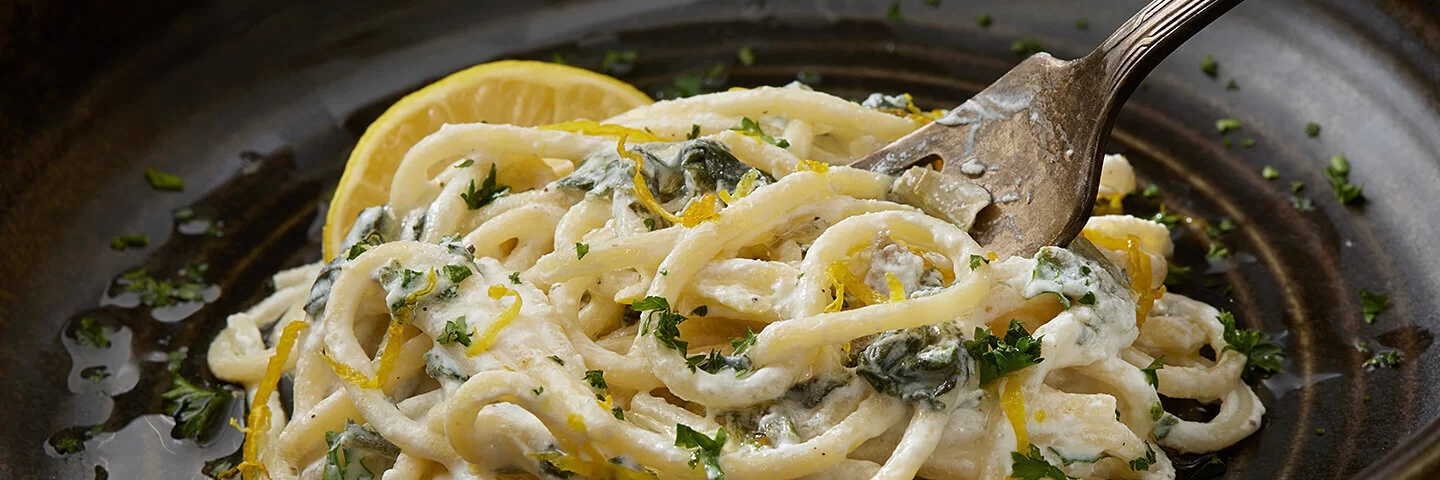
point(749, 127)
point(809, 78)
point(1151, 191)
point(1262, 357)
point(95, 374)
point(164, 181)
point(1169, 220)
point(998, 357)
point(1225, 226)
point(1297, 186)
point(1303, 204)
point(1231, 85)
point(456, 331)
point(746, 55)
point(596, 379)
point(457, 273)
point(357, 453)
point(1269, 173)
point(68, 445)
point(1217, 251)
point(1210, 66)
point(1082, 24)
point(984, 20)
point(468, 162)
point(193, 407)
point(1143, 463)
point(1387, 359)
point(1227, 125)
point(933, 3)
point(694, 134)
point(489, 191)
point(1320, 431)
point(689, 84)
point(540, 390)
point(1312, 129)
point(619, 61)
point(1339, 175)
point(1373, 304)
point(744, 343)
point(893, 14)
point(1174, 274)
point(976, 261)
point(1228, 143)
point(1026, 47)
point(1247, 142)
point(557, 360)
point(164, 293)
point(515, 278)
point(665, 321)
point(706, 449)
point(1034, 466)
point(129, 241)
point(91, 333)
point(1150, 376)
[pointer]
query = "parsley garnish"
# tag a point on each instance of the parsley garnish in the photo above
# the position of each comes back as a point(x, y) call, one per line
point(1312, 129)
point(1034, 466)
point(96, 374)
point(596, 379)
point(1210, 66)
point(1388, 359)
point(456, 332)
point(1143, 463)
point(694, 134)
point(1225, 226)
point(809, 78)
point(540, 390)
point(1373, 304)
point(1247, 142)
point(68, 445)
point(746, 55)
point(515, 278)
point(667, 331)
point(1151, 191)
point(1217, 251)
point(164, 293)
point(164, 181)
point(619, 61)
point(92, 334)
point(976, 261)
point(1082, 24)
point(1227, 125)
point(128, 241)
point(749, 126)
point(998, 357)
point(488, 191)
point(457, 273)
point(894, 13)
point(1262, 357)
point(1026, 47)
point(1303, 204)
point(1339, 175)
point(193, 407)
point(1150, 376)
point(1174, 274)
point(1269, 173)
point(707, 450)
point(984, 20)
point(744, 343)
point(557, 360)
point(581, 249)
point(1231, 85)
point(468, 162)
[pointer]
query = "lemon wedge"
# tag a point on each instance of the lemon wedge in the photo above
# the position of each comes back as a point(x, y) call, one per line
point(516, 92)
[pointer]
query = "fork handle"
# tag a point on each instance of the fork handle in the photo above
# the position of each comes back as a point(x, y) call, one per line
point(1149, 36)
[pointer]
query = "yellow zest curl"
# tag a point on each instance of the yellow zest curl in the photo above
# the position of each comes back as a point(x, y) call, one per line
point(259, 420)
point(812, 165)
point(587, 127)
point(857, 287)
point(598, 470)
point(1137, 265)
point(350, 374)
point(700, 211)
point(897, 289)
point(641, 190)
point(492, 332)
point(1013, 402)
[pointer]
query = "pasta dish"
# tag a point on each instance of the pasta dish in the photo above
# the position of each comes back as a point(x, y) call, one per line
point(699, 288)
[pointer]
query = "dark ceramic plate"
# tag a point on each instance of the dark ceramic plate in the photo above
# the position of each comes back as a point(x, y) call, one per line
point(257, 104)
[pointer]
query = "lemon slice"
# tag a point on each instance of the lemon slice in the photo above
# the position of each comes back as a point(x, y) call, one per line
point(515, 92)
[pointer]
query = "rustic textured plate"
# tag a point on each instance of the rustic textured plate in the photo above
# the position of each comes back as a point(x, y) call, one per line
point(256, 104)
